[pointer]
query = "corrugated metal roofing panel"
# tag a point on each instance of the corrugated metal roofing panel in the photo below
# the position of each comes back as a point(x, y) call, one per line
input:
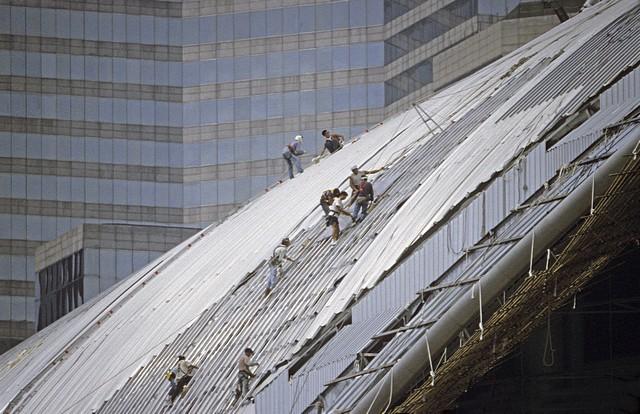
point(429, 177)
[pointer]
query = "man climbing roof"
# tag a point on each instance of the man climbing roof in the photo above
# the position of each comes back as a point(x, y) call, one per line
point(326, 199)
point(337, 209)
point(356, 177)
point(184, 373)
point(332, 142)
point(244, 373)
point(275, 264)
point(291, 154)
point(364, 196)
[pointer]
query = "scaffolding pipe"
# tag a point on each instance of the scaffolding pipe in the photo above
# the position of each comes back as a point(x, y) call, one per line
point(411, 367)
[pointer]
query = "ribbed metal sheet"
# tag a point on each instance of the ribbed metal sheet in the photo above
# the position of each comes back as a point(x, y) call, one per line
point(618, 42)
point(221, 323)
point(475, 265)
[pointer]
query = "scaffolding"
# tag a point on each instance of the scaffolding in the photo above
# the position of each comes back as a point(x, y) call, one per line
point(612, 227)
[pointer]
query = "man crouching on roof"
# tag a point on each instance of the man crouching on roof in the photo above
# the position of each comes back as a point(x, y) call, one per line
point(275, 264)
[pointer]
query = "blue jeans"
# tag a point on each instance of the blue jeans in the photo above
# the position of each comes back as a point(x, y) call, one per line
point(272, 279)
point(292, 159)
point(360, 207)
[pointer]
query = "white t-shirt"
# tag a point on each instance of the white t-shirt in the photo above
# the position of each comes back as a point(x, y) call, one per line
point(336, 207)
point(355, 178)
point(184, 368)
point(279, 254)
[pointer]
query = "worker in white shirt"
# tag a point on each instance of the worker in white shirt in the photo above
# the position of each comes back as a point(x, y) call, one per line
point(184, 373)
point(275, 264)
point(291, 154)
point(337, 209)
point(356, 177)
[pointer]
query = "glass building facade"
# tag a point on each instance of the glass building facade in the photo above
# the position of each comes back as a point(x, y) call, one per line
point(175, 113)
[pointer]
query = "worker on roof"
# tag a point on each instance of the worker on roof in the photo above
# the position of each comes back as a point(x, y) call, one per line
point(244, 373)
point(332, 142)
point(184, 373)
point(356, 177)
point(291, 154)
point(275, 264)
point(364, 196)
point(337, 209)
point(326, 199)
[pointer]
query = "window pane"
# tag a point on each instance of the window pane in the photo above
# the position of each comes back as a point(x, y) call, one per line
point(274, 64)
point(225, 70)
point(242, 109)
point(241, 25)
point(290, 16)
point(274, 105)
point(291, 104)
point(358, 56)
point(375, 12)
point(90, 25)
point(291, 64)
point(225, 110)
point(161, 30)
point(258, 23)
point(308, 102)
point(105, 27)
point(340, 15)
point(340, 57)
point(323, 17)
point(76, 29)
point(274, 22)
point(190, 31)
point(323, 59)
point(324, 100)
point(224, 27)
point(242, 67)
point(259, 107)
point(208, 29)
point(307, 19)
point(133, 28)
point(147, 29)
point(258, 66)
point(307, 61)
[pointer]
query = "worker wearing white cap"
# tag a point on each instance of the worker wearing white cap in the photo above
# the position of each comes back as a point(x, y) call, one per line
point(291, 154)
point(356, 177)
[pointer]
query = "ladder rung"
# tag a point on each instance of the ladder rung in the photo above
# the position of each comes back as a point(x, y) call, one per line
point(495, 243)
point(448, 285)
point(537, 203)
point(402, 329)
point(358, 374)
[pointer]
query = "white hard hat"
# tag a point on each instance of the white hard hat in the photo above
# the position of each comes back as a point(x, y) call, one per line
point(298, 138)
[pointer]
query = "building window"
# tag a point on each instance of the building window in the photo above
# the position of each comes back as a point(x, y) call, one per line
point(408, 81)
point(61, 288)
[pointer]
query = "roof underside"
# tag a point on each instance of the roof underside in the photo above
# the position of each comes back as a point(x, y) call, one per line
point(511, 142)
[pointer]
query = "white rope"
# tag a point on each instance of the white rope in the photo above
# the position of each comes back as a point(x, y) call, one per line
point(636, 151)
point(431, 372)
point(593, 190)
point(546, 267)
point(533, 240)
point(472, 290)
point(390, 392)
point(548, 346)
point(480, 302)
point(376, 396)
point(574, 301)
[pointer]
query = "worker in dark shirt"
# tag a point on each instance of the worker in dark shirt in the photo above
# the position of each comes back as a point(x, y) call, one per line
point(364, 196)
point(332, 142)
point(326, 200)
